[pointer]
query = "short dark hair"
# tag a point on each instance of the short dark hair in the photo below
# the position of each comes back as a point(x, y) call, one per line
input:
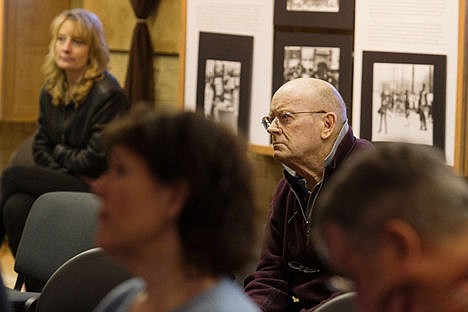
point(217, 222)
point(405, 181)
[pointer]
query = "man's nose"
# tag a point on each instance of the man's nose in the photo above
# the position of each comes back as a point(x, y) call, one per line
point(274, 126)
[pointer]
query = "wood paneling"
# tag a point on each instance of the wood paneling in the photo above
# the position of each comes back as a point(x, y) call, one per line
point(2, 53)
point(119, 21)
point(26, 30)
point(461, 129)
point(165, 26)
point(182, 47)
point(166, 78)
point(166, 68)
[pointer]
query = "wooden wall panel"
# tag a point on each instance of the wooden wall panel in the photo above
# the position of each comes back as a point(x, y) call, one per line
point(165, 26)
point(2, 53)
point(166, 68)
point(25, 45)
point(119, 21)
point(118, 66)
point(461, 133)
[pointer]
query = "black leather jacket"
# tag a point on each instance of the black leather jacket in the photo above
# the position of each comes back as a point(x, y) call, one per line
point(68, 138)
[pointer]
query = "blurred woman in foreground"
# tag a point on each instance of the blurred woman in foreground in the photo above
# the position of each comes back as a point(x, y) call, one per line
point(178, 211)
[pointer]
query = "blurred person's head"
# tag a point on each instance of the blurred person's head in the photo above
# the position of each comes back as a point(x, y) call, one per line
point(177, 184)
point(401, 236)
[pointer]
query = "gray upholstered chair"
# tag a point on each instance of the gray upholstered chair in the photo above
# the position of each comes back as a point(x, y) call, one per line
point(341, 303)
point(23, 153)
point(81, 283)
point(59, 226)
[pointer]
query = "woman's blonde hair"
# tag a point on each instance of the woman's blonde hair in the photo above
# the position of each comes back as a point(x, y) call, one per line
point(89, 29)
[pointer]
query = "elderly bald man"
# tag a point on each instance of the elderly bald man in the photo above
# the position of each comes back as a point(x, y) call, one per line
point(311, 138)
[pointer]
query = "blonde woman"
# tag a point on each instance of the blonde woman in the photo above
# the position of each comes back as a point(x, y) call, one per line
point(77, 99)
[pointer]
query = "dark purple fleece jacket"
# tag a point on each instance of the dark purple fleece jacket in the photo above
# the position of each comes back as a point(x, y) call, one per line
point(289, 275)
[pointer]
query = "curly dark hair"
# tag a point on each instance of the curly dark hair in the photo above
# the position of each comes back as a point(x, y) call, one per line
point(217, 223)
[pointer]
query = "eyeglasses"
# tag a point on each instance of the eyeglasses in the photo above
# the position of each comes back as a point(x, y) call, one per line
point(285, 118)
point(296, 265)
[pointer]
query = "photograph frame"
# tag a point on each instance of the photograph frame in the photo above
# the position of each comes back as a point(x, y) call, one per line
point(439, 63)
point(343, 19)
point(342, 41)
point(228, 48)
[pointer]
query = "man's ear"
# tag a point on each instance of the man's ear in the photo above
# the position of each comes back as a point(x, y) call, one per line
point(403, 246)
point(329, 123)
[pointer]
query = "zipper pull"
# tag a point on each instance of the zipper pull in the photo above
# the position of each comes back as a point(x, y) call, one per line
point(308, 232)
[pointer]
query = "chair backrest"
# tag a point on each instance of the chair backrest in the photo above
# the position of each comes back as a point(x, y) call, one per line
point(341, 303)
point(59, 226)
point(81, 283)
point(23, 155)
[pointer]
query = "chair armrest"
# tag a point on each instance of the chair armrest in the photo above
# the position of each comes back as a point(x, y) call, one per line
point(20, 299)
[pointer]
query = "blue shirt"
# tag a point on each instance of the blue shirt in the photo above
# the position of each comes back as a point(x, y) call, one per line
point(226, 296)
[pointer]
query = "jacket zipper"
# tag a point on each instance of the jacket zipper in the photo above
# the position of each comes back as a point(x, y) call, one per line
point(307, 218)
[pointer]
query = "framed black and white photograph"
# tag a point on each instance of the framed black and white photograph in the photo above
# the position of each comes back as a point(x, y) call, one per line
point(403, 98)
point(224, 79)
point(324, 56)
point(333, 14)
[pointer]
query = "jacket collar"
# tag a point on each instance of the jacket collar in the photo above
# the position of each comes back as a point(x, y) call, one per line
point(343, 149)
point(340, 149)
point(329, 159)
